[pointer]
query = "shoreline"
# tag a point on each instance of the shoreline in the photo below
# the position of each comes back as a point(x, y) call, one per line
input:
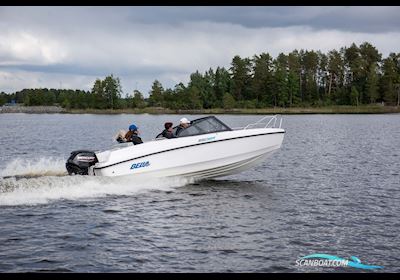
point(366, 109)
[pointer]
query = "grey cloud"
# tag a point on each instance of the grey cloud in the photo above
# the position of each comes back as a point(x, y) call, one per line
point(140, 44)
point(137, 71)
point(356, 19)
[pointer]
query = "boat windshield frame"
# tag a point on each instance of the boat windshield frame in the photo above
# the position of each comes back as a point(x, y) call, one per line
point(211, 121)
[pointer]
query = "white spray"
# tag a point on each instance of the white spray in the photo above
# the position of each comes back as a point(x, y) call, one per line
point(31, 184)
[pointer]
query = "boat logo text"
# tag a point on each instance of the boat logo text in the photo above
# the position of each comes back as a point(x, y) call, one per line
point(86, 158)
point(140, 164)
point(206, 139)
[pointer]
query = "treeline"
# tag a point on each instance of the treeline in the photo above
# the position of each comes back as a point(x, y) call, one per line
point(104, 94)
point(353, 75)
point(349, 76)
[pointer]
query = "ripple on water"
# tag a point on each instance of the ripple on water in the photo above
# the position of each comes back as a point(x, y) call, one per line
point(325, 191)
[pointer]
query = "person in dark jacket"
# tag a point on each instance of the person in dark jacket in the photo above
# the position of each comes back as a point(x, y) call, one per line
point(132, 135)
point(167, 132)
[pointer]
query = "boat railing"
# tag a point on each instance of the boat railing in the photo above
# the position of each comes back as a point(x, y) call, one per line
point(265, 122)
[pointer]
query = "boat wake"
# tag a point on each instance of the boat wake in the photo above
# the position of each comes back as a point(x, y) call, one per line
point(21, 168)
point(45, 181)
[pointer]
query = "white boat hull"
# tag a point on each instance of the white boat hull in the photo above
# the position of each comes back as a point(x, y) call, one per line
point(203, 156)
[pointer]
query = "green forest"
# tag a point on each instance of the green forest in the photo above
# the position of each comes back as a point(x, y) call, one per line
point(354, 75)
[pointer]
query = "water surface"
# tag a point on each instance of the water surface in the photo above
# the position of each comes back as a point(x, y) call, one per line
point(332, 188)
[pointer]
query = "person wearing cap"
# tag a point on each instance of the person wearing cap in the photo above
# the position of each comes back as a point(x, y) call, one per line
point(132, 135)
point(167, 132)
point(183, 123)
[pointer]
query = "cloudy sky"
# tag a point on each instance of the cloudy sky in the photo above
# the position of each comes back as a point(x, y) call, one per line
point(70, 47)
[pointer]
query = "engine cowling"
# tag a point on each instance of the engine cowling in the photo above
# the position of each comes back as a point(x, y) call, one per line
point(80, 161)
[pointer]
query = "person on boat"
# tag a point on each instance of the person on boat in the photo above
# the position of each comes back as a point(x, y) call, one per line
point(167, 132)
point(120, 137)
point(183, 124)
point(132, 135)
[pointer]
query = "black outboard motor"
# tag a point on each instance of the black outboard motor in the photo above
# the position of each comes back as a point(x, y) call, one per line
point(80, 161)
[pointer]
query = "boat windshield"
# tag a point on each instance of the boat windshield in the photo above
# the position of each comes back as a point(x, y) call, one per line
point(203, 126)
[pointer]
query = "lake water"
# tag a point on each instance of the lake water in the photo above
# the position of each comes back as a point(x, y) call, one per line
point(332, 188)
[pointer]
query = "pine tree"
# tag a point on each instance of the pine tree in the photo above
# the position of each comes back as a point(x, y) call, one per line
point(281, 92)
point(156, 94)
point(263, 81)
point(294, 78)
point(241, 76)
point(371, 86)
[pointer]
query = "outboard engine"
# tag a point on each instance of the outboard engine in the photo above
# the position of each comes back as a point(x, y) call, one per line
point(80, 161)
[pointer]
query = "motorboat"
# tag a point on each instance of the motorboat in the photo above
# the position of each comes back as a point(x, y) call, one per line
point(208, 148)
